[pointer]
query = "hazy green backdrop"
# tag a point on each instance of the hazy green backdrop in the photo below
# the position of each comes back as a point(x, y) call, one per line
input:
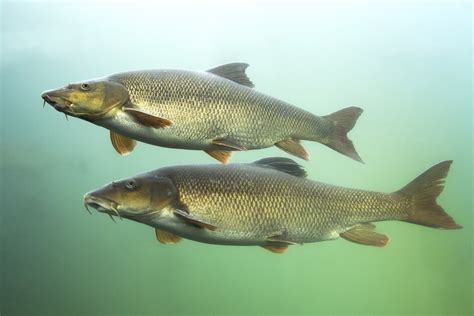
point(407, 64)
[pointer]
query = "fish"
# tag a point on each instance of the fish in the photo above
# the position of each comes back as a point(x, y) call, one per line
point(268, 203)
point(216, 111)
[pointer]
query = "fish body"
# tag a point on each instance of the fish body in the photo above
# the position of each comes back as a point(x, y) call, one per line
point(250, 203)
point(216, 111)
point(204, 107)
point(270, 203)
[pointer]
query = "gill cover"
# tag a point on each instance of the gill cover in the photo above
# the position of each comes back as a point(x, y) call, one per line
point(145, 195)
point(164, 193)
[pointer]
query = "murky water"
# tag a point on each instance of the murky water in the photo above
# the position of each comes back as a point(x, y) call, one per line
point(408, 65)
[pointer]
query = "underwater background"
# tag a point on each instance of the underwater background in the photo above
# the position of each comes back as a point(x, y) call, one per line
point(407, 64)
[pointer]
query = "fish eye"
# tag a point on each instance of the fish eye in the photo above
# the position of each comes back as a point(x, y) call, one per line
point(85, 87)
point(131, 184)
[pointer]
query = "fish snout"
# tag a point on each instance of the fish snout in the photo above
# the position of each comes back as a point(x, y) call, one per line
point(46, 98)
point(101, 204)
point(55, 99)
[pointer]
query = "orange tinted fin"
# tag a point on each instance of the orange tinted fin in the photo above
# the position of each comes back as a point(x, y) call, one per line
point(276, 249)
point(221, 155)
point(123, 145)
point(228, 143)
point(190, 220)
point(364, 234)
point(343, 121)
point(422, 192)
point(166, 238)
point(147, 119)
point(293, 146)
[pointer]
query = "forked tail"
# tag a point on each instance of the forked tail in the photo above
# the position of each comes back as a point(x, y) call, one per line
point(422, 193)
point(343, 121)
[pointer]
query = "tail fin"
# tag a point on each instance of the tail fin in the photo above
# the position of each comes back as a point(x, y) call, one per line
point(344, 120)
point(423, 192)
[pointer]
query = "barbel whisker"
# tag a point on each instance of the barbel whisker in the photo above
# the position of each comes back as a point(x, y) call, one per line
point(116, 212)
point(87, 208)
point(112, 218)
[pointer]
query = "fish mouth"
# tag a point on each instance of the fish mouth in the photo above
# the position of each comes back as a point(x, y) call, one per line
point(62, 105)
point(59, 103)
point(102, 205)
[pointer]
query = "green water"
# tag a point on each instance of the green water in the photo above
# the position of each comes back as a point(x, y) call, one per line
point(407, 64)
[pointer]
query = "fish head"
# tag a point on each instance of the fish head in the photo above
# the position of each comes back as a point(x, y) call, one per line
point(140, 198)
point(91, 100)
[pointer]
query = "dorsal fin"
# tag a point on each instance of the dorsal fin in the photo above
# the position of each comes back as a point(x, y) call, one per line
point(282, 164)
point(234, 72)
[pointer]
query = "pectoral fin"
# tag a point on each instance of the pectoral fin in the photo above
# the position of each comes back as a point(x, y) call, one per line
point(123, 145)
point(293, 146)
point(147, 119)
point(221, 155)
point(166, 238)
point(276, 249)
point(193, 221)
point(364, 234)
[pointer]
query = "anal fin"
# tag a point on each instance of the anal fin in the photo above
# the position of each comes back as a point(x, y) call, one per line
point(276, 249)
point(364, 234)
point(147, 119)
point(221, 155)
point(293, 146)
point(193, 221)
point(165, 237)
point(123, 145)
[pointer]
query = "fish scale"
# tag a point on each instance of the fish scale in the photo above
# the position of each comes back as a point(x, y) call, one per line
point(258, 202)
point(203, 105)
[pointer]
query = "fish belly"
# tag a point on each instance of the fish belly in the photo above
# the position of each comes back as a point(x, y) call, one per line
point(219, 236)
point(179, 136)
point(256, 234)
